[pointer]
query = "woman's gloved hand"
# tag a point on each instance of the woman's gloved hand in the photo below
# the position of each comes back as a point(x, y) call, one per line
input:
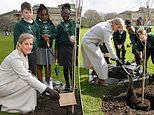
point(119, 62)
point(53, 93)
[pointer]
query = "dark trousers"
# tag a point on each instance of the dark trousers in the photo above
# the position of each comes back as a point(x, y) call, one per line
point(150, 52)
point(67, 71)
point(32, 62)
point(123, 51)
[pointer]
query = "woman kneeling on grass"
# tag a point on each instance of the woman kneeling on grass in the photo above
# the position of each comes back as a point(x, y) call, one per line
point(17, 85)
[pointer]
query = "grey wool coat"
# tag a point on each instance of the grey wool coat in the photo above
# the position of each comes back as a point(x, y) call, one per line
point(91, 53)
point(17, 85)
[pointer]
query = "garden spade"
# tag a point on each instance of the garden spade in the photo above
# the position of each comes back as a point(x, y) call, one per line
point(57, 69)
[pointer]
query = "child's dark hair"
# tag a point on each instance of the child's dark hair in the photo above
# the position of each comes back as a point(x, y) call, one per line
point(26, 5)
point(66, 6)
point(139, 19)
point(43, 7)
point(127, 22)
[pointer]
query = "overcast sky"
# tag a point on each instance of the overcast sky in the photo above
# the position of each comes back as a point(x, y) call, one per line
point(9, 5)
point(105, 6)
point(108, 6)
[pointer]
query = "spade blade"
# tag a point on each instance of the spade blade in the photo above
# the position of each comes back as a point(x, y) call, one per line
point(57, 70)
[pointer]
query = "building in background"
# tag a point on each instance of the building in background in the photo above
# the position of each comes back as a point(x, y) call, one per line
point(8, 20)
point(145, 13)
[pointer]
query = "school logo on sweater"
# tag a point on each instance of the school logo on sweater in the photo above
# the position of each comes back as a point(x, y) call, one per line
point(45, 29)
point(29, 29)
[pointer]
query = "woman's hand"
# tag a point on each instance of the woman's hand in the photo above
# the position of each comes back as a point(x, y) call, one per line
point(53, 93)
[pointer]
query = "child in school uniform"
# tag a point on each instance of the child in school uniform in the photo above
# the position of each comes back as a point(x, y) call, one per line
point(119, 38)
point(45, 55)
point(28, 25)
point(65, 43)
point(141, 38)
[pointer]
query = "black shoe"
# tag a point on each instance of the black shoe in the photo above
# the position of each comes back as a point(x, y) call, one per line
point(76, 88)
point(67, 87)
point(127, 63)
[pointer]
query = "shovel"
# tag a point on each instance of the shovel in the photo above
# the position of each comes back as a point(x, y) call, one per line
point(57, 69)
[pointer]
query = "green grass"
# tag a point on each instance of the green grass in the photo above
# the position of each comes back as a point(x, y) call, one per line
point(6, 46)
point(92, 95)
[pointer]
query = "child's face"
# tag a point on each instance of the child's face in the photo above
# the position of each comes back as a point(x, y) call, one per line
point(116, 27)
point(65, 14)
point(140, 22)
point(43, 15)
point(142, 37)
point(27, 14)
point(121, 29)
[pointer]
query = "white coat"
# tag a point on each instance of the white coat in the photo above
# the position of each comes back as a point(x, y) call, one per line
point(91, 53)
point(17, 85)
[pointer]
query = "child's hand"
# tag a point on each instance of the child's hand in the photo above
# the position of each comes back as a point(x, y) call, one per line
point(46, 37)
point(72, 39)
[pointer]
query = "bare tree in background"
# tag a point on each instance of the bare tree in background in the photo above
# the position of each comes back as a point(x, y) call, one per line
point(6, 25)
point(109, 16)
point(90, 18)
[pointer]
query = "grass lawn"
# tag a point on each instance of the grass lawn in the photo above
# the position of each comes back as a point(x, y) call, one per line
point(92, 95)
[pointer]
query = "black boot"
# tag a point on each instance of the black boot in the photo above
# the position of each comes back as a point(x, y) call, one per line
point(123, 60)
point(107, 60)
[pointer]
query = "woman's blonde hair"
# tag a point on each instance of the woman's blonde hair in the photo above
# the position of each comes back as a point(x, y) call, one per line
point(117, 21)
point(22, 38)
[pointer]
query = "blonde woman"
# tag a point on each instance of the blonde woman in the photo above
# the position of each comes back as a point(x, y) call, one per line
point(17, 85)
point(92, 55)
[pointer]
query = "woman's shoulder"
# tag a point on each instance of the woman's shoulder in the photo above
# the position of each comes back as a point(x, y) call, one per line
point(15, 54)
point(12, 56)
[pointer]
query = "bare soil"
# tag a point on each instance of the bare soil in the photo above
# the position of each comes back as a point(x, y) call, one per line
point(117, 102)
point(48, 106)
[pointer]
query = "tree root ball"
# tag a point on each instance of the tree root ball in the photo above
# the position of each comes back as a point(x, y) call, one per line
point(138, 105)
point(145, 106)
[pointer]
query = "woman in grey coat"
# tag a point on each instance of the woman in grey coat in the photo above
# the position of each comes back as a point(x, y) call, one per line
point(17, 85)
point(91, 53)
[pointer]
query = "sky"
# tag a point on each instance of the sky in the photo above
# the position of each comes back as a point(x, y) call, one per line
point(104, 6)
point(108, 6)
point(9, 5)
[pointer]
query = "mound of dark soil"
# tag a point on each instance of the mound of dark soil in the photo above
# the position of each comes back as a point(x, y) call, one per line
point(115, 103)
point(47, 106)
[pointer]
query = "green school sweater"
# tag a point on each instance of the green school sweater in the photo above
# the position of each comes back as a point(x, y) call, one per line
point(46, 28)
point(140, 45)
point(150, 40)
point(24, 27)
point(64, 29)
point(119, 38)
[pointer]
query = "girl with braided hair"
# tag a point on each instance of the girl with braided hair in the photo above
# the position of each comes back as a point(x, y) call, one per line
point(65, 43)
point(47, 35)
